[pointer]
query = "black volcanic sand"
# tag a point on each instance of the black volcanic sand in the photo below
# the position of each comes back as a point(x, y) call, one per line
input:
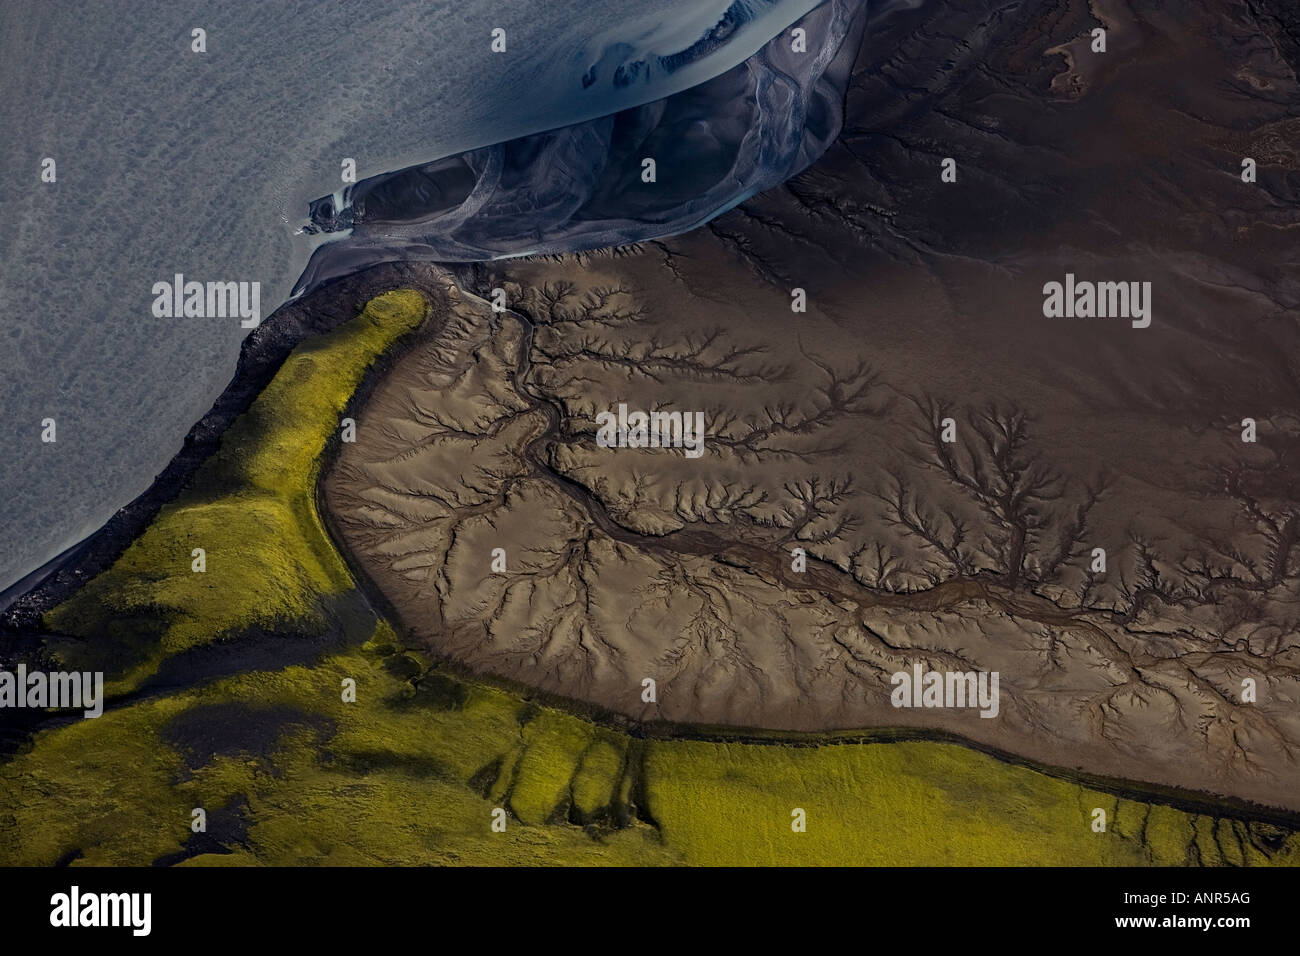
point(263, 352)
point(1120, 166)
point(925, 301)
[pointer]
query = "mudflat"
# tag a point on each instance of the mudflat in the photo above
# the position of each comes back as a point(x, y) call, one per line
point(1104, 510)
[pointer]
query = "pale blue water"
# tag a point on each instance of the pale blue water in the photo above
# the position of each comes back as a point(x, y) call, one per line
point(587, 185)
point(170, 161)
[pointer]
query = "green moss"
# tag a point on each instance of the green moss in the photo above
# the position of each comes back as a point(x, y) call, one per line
point(595, 786)
point(383, 784)
point(96, 790)
point(251, 508)
point(410, 773)
point(1170, 835)
point(901, 803)
point(553, 746)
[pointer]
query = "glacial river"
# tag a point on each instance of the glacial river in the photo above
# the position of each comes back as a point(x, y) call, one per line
point(168, 160)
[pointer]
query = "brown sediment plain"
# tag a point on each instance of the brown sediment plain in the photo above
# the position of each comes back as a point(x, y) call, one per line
point(825, 429)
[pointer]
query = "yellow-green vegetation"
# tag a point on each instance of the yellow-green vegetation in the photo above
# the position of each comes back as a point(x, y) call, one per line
point(918, 803)
point(251, 509)
point(292, 774)
point(595, 785)
point(287, 771)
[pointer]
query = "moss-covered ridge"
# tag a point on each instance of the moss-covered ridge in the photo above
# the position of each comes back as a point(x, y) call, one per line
point(288, 772)
point(251, 509)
